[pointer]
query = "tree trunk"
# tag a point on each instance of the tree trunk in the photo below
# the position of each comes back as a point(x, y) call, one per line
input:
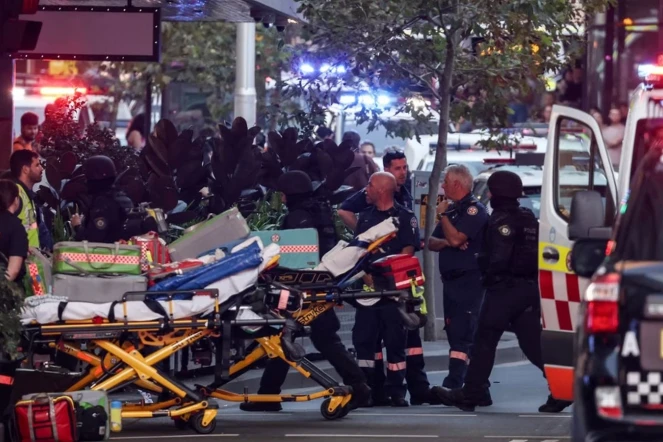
point(434, 183)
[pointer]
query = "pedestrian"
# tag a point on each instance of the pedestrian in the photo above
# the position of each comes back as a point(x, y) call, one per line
point(385, 323)
point(27, 170)
point(13, 237)
point(509, 267)
point(368, 149)
point(367, 167)
point(458, 238)
point(29, 131)
point(395, 163)
point(305, 212)
point(104, 220)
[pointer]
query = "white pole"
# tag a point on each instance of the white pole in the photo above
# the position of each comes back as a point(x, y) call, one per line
point(245, 81)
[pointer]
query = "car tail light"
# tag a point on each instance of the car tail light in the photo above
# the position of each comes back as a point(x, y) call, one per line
point(608, 402)
point(602, 296)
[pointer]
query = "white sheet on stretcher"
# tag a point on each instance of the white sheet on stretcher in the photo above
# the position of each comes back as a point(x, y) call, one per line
point(44, 309)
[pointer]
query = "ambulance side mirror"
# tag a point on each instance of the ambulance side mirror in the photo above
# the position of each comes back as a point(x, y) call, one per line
point(587, 216)
point(587, 255)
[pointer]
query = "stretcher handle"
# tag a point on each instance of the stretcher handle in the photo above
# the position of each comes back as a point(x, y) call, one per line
point(214, 293)
point(378, 242)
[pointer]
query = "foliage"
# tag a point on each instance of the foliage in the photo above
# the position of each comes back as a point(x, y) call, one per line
point(197, 53)
point(424, 51)
point(11, 303)
point(269, 213)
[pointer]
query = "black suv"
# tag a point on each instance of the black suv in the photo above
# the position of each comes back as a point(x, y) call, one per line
point(619, 349)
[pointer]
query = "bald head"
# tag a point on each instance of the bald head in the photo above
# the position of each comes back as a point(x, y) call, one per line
point(380, 190)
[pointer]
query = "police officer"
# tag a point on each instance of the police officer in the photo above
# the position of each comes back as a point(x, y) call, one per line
point(371, 324)
point(509, 266)
point(303, 213)
point(105, 219)
point(458, 238)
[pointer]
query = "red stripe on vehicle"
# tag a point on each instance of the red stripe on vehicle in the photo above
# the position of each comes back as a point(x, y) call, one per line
point(546, 284)
point(572, 287)
point(563, 315)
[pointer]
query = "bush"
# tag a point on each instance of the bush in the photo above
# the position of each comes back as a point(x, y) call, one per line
point(11, 303)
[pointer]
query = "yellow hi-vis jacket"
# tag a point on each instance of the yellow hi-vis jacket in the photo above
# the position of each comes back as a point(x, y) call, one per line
point(28, 217)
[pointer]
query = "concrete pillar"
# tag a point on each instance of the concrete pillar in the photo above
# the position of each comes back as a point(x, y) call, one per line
point(245, 78)
point(6, 109)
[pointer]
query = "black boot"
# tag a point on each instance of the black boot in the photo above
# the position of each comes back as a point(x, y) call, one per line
point(553, 405)
point(427, 397)
point(456, 376)
point(399, 402)
point(455, 398)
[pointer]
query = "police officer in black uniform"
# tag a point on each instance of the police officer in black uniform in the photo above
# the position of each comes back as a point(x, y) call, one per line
point(106, 216)
point(509, 266)
point(458, 238)
point(385, 322)
point(304, 212)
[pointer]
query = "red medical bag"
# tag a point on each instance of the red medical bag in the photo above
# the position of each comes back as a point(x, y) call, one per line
point(153, 250)
point(46, 419)
point(396, 272)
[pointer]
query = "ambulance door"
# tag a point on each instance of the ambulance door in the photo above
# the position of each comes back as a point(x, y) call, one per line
point(575, 160)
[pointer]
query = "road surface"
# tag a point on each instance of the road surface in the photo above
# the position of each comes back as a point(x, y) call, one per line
point(517, 389)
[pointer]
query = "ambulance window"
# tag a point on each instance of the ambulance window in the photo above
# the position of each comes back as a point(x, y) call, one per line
point(576, 156)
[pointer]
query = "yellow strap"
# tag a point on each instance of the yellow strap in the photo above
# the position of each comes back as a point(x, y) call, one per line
point(419, 293)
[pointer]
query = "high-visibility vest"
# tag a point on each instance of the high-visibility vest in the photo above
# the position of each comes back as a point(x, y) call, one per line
point(28, 217)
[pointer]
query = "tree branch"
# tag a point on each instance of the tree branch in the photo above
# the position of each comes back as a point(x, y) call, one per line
point(407, 71)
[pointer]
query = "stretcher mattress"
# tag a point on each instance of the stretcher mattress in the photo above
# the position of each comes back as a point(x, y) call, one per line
point(50, 309)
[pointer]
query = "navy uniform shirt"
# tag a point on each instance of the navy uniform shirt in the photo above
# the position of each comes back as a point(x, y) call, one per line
point(469, 217)
point(357, 202)
point(408, 231)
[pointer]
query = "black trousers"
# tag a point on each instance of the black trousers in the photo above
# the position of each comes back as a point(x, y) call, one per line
point(325, 339)
point(516, 304)
point(415, 372)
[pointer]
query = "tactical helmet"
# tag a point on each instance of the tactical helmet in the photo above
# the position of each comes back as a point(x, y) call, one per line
point(294, 182)
point(99, 167)
point(505, 184)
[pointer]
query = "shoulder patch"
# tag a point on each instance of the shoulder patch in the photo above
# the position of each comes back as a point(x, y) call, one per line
point(472, 210)
point(413, 222)
point(100, 223)
point(504, 230)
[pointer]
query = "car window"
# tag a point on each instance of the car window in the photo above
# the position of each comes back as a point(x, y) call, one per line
point(574, 153)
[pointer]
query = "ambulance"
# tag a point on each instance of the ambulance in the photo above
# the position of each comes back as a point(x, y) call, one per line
point(587, 208)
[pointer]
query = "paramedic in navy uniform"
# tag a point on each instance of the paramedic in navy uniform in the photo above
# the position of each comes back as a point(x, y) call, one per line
point(395, 162)
point(385, 322)
point(459, 237)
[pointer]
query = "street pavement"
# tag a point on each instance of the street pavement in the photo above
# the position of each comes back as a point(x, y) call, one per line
point(518, 389)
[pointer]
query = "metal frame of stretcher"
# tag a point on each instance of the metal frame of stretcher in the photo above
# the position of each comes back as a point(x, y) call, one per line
point(122, 362)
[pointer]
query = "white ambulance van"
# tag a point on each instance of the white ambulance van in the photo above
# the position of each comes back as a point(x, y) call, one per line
point(571, 210)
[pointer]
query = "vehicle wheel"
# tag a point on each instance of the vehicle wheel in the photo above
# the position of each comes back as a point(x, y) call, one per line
point(196, 422)
point(336, 414)
point(578, 429)
point(181, 424)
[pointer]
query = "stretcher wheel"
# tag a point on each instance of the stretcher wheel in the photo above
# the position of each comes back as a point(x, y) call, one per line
point(339, 413)
point(196, 422)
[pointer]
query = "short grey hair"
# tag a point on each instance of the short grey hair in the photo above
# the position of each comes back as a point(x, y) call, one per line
point(462, 174)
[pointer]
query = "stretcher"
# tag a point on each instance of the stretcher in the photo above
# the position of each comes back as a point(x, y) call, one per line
point(125, 343)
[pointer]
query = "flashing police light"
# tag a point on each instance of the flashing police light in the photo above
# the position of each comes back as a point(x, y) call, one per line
point(368, 100)
point(325, 68)
point(652, 73)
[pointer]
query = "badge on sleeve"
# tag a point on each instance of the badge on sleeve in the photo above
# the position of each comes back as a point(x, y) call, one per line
point(505, 230)
point(472, 210)
point(413, 222)
point(100, 223)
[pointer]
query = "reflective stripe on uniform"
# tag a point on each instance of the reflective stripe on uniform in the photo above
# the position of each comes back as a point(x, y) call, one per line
point(458, 355)
point(397, 366)
point(415, 351)
point(365, 363)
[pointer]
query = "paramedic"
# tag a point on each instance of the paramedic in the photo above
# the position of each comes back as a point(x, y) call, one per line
point(105, 219)
point(458, 238)
point(13, 237)
point(395, 162)
point(509, 267)
point(385, 322)
point(27, 170)
point(296, 187)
